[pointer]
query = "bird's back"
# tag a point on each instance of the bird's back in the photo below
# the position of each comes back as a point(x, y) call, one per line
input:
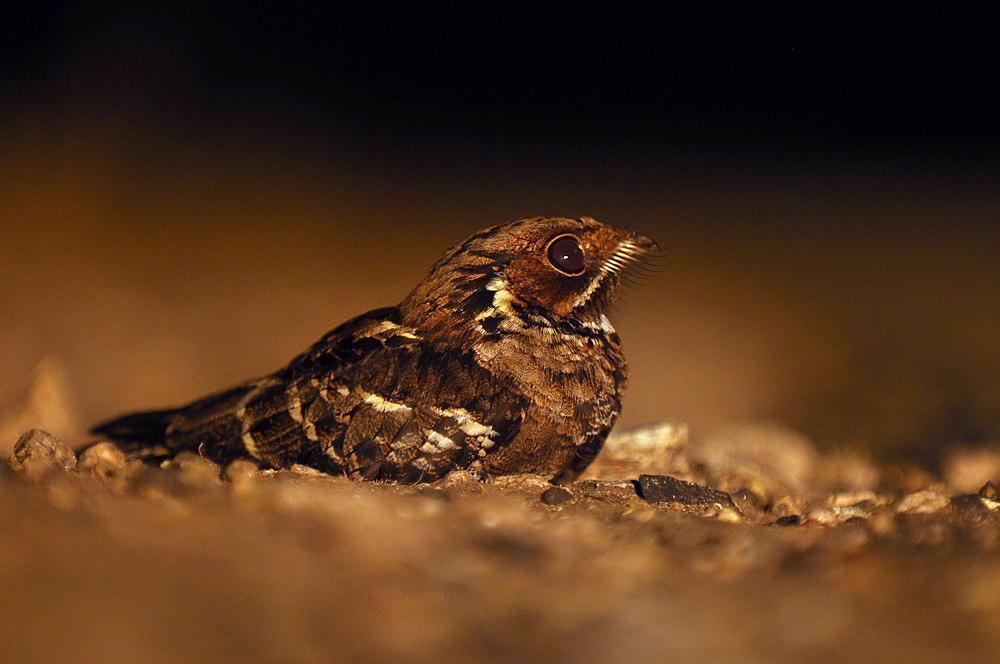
point(369, 399)
point(290, 416)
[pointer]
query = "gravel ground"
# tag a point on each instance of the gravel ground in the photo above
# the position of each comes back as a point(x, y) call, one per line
point(790, 554)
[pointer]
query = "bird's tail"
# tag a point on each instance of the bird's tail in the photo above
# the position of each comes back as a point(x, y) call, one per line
point(211, 425)
point(140, 435)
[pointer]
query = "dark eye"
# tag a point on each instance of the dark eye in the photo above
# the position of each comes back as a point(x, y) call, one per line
point(565, 254)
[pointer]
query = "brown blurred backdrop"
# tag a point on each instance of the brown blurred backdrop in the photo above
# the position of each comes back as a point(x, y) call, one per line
point(188, 199)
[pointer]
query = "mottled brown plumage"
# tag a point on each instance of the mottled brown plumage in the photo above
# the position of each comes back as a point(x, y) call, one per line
point(502, 360)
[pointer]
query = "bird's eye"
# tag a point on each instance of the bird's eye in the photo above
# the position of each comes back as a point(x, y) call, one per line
point(566, 256)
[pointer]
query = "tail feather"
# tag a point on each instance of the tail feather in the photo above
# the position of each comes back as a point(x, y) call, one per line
point(147, 427)
point(256, 419)
point(139, 435)
point(210, 423)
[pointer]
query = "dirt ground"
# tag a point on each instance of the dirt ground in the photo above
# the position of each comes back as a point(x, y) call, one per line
point(795, 555)
point(857, 308)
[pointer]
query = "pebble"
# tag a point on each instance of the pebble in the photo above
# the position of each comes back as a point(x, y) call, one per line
point(556, 495)
point(990, 496)
point(460, 481)
point(241, 470)
point(969, 502)
point(666, 489)
point(728, 514)
point(922, 502)
point(524, 485)
point(306, 471)
point(103, 459)
point(195, 470)
point(823, 515)
point(38, 452)
point(606, 490)
point(790, 520)
point(852, 498)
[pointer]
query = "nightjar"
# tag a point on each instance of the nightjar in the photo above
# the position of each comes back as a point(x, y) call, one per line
point(501, 361)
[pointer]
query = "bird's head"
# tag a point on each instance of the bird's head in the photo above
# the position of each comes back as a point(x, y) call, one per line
point(533, 272)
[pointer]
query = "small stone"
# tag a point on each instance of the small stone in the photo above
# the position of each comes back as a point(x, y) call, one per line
point(241, 470)
point(790, 520)
point(556, 495)
point(729, 515)
point(521, 485)
point(606, 490)
point(459, 482)
point(306, 471)
point(196, 470)
point(852, 498)
point(990, 496)
point(299, 473)
point(860, 510)
point(666, 489)
point(969, 502)
point(38, 452)
point(822, 515)
point(922, 502)
point(103, 459)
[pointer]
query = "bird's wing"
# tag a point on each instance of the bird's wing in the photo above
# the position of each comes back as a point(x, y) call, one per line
point(265, 418)
point(420, 413)
point(300, 414)
point(369, 399)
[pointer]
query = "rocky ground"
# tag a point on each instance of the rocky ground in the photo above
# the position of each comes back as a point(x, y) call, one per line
point(791, 554)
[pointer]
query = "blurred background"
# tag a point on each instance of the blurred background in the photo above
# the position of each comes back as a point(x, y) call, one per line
point(191, 194)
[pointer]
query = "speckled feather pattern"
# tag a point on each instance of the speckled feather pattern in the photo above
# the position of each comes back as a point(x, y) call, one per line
point(498, 362)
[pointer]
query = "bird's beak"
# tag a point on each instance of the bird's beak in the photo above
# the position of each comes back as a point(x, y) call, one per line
point(647, 245)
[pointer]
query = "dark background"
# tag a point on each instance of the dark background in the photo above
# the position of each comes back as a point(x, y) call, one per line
point(191, 194)
point(834, 82)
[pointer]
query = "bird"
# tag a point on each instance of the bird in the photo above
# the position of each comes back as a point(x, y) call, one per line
point(502, 360)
